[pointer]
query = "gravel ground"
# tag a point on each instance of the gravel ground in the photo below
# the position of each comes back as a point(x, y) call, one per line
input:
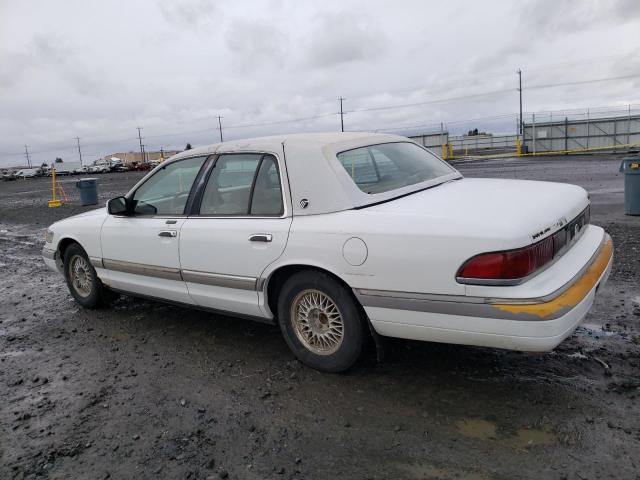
point(147, 390)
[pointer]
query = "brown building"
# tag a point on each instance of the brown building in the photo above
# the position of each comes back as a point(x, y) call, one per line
point(136, 157)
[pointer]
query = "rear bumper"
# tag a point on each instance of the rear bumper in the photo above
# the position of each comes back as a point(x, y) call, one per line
point(537, 324)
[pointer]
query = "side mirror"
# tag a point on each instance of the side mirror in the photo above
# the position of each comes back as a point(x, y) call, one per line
point(118, 206)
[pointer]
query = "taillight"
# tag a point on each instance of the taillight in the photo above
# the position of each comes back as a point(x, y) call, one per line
point(509, 265)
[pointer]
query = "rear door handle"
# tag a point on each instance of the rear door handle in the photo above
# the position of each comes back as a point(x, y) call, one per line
point(168, 233)
point(261, 237)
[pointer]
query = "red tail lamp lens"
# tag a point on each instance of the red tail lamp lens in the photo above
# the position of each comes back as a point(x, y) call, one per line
point(509, 265)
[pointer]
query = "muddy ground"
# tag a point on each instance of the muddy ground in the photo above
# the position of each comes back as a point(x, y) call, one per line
point(146, 390)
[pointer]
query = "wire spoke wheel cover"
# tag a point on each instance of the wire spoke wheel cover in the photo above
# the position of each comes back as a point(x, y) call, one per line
point(81, 275)
point(317, 322)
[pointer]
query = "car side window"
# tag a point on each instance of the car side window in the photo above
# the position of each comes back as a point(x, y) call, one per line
point(243, 184)
point(167, 191)
point(267, 196)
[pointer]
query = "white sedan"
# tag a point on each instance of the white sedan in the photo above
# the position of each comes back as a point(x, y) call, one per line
point(340, 238)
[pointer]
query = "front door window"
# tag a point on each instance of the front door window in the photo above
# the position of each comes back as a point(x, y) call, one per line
point(167, 191)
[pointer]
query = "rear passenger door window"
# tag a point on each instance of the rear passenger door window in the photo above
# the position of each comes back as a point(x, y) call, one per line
point(266, 198)
point(241, 185)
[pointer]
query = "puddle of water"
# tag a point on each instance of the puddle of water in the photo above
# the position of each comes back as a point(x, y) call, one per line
point(531, 437)
point(476, 428)
point(480, 429)
point(595, 330)
point(14, 353)
point(579, 355)
point(427, 471)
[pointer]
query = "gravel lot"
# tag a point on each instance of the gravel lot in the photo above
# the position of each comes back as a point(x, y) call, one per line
point(147, 390)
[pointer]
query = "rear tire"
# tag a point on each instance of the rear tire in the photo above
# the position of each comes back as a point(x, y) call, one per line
point(83, 282)
point(321, 321)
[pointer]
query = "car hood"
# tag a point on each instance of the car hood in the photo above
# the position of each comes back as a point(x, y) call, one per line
point(518, 211)
point(84, 216)
point(90, 213)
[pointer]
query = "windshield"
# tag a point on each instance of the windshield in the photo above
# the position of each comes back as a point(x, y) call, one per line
point(388, 166)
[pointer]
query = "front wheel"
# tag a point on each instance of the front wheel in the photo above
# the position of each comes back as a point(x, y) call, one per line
point(321, 321)
point(82, 280)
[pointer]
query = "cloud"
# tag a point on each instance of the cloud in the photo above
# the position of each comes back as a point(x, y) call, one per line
point(543, 18)
point(340, 38)
point(252, 44)
point(99, 69)
point(189, 13)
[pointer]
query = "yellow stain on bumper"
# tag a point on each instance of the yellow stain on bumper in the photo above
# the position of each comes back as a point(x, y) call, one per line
point(574, 294)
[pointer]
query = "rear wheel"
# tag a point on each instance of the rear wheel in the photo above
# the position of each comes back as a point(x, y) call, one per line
point(321, 321)
point(82, 280)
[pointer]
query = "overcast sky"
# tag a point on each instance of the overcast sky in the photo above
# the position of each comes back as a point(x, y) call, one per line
point(98, 69)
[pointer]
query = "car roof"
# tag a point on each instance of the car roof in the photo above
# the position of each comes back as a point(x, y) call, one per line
point(318, 182)
point(274, 143)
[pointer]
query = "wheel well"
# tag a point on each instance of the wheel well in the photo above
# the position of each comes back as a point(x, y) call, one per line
point(279, 277)
point(63, 245)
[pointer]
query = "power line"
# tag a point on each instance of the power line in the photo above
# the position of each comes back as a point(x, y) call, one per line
point(430, 102)
point(343, 112)
point(280, 122)
point(582, 82)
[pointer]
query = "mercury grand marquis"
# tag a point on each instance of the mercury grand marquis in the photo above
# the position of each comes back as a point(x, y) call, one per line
point(341, 238)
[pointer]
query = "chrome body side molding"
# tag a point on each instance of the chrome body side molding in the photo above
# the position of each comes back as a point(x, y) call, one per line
point(219, 280)
point(192, 276)
point(142, 269)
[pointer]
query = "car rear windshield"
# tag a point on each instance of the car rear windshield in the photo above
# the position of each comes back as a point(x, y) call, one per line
point(388, 166)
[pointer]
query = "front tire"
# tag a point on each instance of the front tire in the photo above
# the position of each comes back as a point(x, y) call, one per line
point(83, 282)
point(321, 322)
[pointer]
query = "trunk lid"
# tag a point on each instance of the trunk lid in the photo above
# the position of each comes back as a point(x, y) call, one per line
point(520, 212)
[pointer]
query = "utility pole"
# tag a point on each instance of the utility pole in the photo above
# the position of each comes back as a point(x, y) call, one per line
point(26, 152)
point(220, 127)
point(79, 151)
point(520, 123)
point(144, 153)
point(341, 115)
point(141, 148)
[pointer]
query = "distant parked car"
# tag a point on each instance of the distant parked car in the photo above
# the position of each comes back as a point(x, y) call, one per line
point(29, 173)
point(100, 168)
point(144, 166)
point(9, 176)
point(348, 236)
point(81, 170)
point(123, 168)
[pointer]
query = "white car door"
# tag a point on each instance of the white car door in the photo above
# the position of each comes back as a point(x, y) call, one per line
point(140, 250)
point(241, 226)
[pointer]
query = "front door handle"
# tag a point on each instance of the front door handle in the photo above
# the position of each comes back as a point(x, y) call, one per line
point(261, 237)
point(168, 233)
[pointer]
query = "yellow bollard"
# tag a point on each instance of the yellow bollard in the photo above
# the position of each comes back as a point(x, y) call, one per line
point(54, 202)
point(444, 151)
point(518, 148)
point(450, 150)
